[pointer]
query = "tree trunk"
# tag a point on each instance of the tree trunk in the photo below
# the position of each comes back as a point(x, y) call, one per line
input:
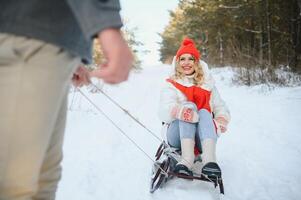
point(267, 7)
point(295, 35)
point(261, 48)
point(221, 49)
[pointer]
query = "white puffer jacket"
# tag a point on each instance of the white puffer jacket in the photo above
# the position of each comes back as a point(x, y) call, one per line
point(170, 96)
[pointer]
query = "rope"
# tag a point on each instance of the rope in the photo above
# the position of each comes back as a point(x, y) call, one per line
point(116, 126)
point(127, 112)
point(130, 139)
point(71, 104)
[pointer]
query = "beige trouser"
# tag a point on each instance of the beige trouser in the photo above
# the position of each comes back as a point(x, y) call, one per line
point(34, 82)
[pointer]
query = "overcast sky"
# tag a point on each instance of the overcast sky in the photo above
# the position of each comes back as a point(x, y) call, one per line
point(150, 17)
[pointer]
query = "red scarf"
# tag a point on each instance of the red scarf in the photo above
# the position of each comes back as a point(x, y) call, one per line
point(197, 95)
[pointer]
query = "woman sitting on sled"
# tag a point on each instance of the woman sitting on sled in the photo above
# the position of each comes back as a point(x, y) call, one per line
point(193, 110)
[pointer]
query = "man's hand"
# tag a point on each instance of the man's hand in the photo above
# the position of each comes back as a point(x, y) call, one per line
point(81, 77)
point(118, 55)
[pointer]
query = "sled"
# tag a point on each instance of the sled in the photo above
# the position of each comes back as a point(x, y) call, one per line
point(166, 159)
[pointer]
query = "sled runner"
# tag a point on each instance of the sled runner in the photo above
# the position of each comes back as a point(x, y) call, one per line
point(163, 169)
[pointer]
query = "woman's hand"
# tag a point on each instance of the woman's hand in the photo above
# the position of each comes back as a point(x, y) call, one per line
point(221, 124)
point(185, 113)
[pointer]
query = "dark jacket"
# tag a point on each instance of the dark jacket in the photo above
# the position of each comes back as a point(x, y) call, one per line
point(69, 24)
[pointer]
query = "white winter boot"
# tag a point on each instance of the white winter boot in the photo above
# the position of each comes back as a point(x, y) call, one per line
point(187, 160)
point(208, 151)
point(210, 168)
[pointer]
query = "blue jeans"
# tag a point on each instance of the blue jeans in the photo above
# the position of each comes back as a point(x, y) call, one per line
point(204, 129)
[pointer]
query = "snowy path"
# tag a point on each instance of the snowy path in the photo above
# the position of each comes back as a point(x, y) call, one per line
point(260, 155)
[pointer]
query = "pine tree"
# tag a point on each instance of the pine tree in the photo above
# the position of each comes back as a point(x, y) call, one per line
point(257, 33)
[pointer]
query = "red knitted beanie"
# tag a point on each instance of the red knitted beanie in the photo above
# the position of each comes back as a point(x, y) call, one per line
point(188, 46)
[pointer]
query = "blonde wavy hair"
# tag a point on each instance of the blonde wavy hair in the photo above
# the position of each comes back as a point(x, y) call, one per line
point(198, 76)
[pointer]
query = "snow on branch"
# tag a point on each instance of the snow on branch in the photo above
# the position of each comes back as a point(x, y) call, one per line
point(230, 7)
point(248, 30)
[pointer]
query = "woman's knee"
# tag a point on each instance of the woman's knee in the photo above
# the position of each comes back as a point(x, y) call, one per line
point(204, 113)
point(206, 126)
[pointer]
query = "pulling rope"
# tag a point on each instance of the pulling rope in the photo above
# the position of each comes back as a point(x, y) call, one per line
point(116, 126)
point(127, 112)
point(132, 117)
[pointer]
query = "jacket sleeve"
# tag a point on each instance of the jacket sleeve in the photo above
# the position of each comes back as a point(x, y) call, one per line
point(168, 99)
point(94, 16)
point(219, 107)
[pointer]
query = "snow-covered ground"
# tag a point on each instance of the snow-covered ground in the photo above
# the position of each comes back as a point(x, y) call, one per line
point(260, 155)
